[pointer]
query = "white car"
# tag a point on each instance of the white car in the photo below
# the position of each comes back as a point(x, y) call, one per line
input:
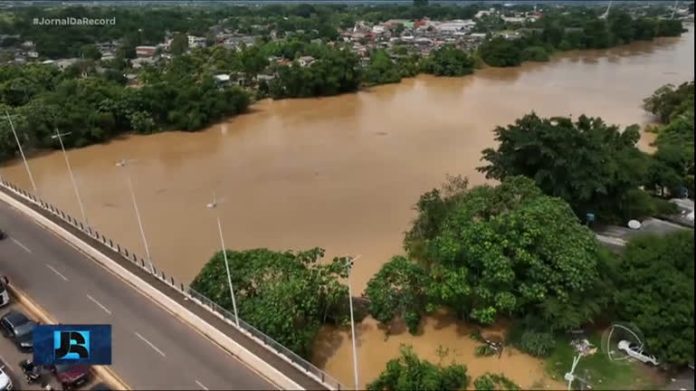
point(5, 381)
point(635, 351)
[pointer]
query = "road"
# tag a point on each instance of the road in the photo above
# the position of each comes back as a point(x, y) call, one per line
point(151, 348)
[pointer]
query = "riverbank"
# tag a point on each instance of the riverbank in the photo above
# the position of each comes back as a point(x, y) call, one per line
point(291, 169)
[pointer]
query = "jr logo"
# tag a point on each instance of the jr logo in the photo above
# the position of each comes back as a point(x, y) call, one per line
point(71, 344)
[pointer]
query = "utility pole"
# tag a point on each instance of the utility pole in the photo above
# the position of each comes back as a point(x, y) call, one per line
point(213, 205)
point(124, 164)
point(21, 152)
point(59, 136)
point(352, 325)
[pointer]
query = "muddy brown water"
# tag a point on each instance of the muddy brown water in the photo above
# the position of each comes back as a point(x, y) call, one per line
point(343, 173)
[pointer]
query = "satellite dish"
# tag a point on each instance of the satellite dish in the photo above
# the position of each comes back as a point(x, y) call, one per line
point(634, 224)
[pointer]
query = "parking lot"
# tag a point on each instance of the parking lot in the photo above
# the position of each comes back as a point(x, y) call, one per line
point(10, 358)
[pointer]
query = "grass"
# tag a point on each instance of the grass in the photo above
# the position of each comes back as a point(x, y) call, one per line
point(598, 370)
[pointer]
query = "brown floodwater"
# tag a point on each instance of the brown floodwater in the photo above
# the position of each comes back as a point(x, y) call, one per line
point(342, 173)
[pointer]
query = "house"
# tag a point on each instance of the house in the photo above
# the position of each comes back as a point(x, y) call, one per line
point(196, 42)
point(483, 13)
point(514, 19)
point(305, 61)
point(139, 62)
point(455, 26)
point(222, 79)
point(264, 78)
point(65, 62)
point(145, 51)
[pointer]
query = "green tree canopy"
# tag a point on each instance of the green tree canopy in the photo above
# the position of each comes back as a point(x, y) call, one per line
point(408, 372)
point(586, 162)
point(655, 291)
point(449, 61)
point(490, 251)
point(287, 295)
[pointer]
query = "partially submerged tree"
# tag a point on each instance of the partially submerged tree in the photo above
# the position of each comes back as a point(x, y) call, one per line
point(287, 295)
point(408, 372)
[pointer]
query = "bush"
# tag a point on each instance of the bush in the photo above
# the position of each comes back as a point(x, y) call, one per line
point(484, 351)
point(492, 381)
point(538, 344)
point(535, 53)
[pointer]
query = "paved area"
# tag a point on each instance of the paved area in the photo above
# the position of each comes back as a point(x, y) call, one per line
point(152, 349)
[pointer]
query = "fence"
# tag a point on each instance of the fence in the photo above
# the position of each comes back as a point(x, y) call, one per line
point(249, 330)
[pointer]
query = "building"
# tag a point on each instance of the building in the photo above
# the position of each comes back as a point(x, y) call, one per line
point(145, 51)
point(453, 26)
point(305, 61)
point(196, 42)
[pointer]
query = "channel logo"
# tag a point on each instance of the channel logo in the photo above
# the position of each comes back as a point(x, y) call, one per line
point(72, 344)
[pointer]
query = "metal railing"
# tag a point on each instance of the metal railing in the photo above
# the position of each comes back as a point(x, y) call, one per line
point(259, 337)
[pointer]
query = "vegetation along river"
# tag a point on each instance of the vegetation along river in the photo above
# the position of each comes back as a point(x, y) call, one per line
point(343, 173)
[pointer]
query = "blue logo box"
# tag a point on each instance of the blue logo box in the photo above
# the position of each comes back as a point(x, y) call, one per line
point(86, 344)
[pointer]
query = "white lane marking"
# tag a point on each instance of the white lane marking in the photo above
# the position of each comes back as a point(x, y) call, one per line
point(57, 272)
point(150, 343)
point(201, 385)
point(99, 304)
point(17, 242)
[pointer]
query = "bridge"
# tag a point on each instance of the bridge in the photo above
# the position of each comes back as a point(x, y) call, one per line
point(165, 335)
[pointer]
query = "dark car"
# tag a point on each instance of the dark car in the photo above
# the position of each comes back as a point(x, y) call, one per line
point(71, 376)
point(2, 235)
point(16, 326)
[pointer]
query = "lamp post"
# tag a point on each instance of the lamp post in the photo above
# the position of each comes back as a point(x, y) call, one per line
point(21, 152)
point(59, 137)
point(213, 205)
point(352, 324)
point(123, 163)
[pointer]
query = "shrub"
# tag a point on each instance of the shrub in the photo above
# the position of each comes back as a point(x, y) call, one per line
point(538, 344)
point(492, 381)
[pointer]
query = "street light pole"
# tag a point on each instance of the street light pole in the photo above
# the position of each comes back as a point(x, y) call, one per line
point(58, 135)
point(123, 164)
point(352, 325)
point(21, 152)
point(227, 263)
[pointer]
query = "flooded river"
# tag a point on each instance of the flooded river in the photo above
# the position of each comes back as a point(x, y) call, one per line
point(342, 173)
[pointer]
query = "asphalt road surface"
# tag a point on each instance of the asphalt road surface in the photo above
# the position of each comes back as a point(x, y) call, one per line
point(151, 348)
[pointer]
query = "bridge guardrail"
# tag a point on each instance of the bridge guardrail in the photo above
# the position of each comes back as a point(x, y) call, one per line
point(264, 340)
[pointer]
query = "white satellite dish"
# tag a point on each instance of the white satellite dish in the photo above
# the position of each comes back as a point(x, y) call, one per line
point(634, 224)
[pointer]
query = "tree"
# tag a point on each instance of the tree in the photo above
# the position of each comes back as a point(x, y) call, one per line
point(500, 52)
point(408, 372)
point(398, 290)
point(673, 165)
point(381, 69)
point(179, 44)
point(493, 381)
point(655, 291)
point(449, 61)
point(588, 163)
point(489, 251)
point(420, 3)
point(287, 295)
point(91, 52)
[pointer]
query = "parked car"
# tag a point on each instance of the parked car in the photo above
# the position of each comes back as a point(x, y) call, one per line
point(71, 376)
point(4, 295)
point(3, 235)
point(5, 381)
point(16, 326)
